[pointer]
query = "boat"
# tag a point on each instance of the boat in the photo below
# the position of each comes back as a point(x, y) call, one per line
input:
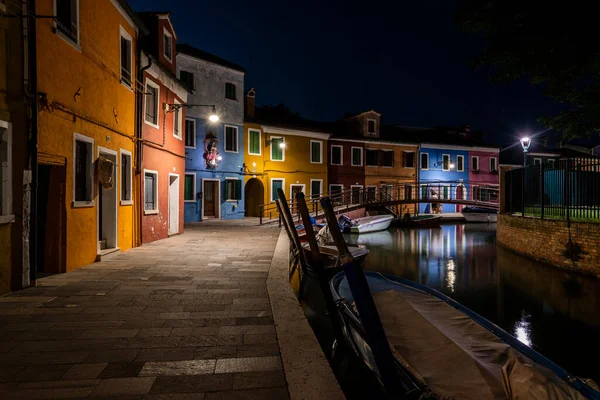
point(365, 224)
point(480, 214)
point(445, 350)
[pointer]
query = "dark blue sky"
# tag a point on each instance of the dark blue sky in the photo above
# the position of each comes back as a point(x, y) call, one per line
point(407, 61)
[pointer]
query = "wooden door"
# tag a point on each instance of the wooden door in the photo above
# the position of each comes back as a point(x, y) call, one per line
point(173, 204)
point(211, 198)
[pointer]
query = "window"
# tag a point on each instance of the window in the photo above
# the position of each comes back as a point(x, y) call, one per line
point(460, 163)
point(177, 122)
point(167, 44)
point(387, 158)
point(150, 192)
point(409, 159)
point(425, 161)
point(446, 192)
point(537, 161)
point(371, 193)
point(316, 152)
point(357, 156)
point(445, 162)
point(190, 132)
point(371, 126)
point(493, 165)
point(5, 170)
point(231, 139)
point(187, 78)
point(355, 194)
point(152, 93)
point(372, 158)
point(276, 183)
point(316, 188)
point(126, 169)
point(335, 192)
point(230, 91)
point(474, 163)
point(189, 187)
point(126, 56)
point(277, 152)
point(551, 163)
point(233, 189)
point(336, 155)
point(254, 146)
point(67, 19)
point(83, 177)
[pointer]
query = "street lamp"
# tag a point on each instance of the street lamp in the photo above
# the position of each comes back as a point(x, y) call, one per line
point(213, 112)
point(525, 143)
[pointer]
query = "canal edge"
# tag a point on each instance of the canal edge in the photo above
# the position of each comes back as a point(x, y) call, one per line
point(307, 371)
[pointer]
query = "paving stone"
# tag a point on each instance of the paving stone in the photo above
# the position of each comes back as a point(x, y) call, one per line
point(196, 331)
point(260, 339)
point(59, 393)
point(192, 384)
point(109, 333)
point(118, 355)
point(245, 364)
point(252, 394)
point(84, 371)
point(42, 373)
point(67, 345)
point(123, 387)
point(215, 352)
point(169, 354)
point(262, 379)
point(121, 370)
point(58, 357)
point(170, 368)
point(154, 332)
point(247, 329)
point(258, 350)
point(255, 321)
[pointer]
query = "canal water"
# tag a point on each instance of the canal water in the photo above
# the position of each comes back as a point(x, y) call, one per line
point(554, 311)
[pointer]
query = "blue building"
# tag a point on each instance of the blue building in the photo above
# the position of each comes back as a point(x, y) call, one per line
point(442, 169)
point(214, 149)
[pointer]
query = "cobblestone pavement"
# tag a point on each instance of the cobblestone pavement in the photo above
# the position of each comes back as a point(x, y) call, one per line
point(183, 318)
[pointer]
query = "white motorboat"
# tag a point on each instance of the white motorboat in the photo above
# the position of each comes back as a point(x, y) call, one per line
point(365, 224)
point(480, 214)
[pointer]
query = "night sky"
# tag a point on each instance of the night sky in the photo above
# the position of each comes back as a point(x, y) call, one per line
point(406, 61)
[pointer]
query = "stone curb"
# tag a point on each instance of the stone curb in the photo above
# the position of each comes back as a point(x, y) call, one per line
point(307, 371)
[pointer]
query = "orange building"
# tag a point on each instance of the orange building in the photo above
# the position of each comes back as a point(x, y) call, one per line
point(87, 80)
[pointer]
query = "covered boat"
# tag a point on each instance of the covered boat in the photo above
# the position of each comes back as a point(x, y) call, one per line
point(449, 351)
point(480, 214)
point(365, 224)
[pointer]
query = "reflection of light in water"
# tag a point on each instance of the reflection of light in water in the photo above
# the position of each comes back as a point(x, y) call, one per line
point(451, 277)
point(523, 330)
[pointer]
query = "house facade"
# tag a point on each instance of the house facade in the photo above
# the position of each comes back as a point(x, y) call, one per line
point(86, 152)
point(484, 173)
point(214, 150)
point(284, 151)
point(162, 152)
point(15, 175)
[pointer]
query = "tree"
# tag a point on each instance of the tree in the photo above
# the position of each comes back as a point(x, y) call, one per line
point(553, 44)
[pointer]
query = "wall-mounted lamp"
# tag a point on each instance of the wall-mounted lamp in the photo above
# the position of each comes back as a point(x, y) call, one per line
point(281, 144)
point(451, 165)
point(213, 113)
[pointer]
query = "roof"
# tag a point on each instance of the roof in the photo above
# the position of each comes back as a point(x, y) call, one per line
point(125, 5)
point(282, 116)
point(149, 18)
point(185, 48)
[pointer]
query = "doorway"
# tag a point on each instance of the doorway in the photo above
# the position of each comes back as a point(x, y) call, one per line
point(210, 198)
point(107, 207)
point(173, 204)
point(254, 193)
point(52, 236)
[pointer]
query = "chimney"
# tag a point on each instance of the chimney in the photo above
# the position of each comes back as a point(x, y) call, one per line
point(545, 141)
point(250, 106)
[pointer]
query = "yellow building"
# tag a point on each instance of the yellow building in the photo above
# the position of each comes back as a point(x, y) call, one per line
point(282, 151)
point(87, 132)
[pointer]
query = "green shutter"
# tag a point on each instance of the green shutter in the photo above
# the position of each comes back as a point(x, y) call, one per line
point(315, 152)
point(276, 151)
point(189, 187)
point(276, 184)
point(238, 189)
point(227, 189)
point(254, 142)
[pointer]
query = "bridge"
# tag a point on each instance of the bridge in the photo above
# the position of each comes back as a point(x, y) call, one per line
point(398, 199)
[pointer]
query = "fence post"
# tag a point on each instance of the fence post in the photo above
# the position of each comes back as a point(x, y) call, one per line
point(542, 189)
point(523, 192)
point(567, 191)
point(260, 215)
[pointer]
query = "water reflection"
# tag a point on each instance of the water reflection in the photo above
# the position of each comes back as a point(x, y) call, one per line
point(551, 310)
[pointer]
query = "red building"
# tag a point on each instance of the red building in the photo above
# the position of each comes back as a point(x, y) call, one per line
point(162, 169)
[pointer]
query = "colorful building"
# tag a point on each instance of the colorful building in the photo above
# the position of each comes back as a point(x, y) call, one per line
point(15, 175)
point(284, 151)
point(87, 84)
point(214, 149)
point(162, 150)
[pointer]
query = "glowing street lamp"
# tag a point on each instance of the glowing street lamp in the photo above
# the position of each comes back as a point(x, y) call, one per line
point(213, 115)
point(213, 112)
point(525, 143)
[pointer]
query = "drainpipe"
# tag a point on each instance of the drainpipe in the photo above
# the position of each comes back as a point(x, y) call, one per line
point(33, 140)
point(139, 145)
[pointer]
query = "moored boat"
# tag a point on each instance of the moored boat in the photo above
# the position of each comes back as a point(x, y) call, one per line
point(365, 224)
point(449, 351)
point(479, 214)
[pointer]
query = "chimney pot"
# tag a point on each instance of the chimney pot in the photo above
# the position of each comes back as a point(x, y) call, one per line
point(250, 103)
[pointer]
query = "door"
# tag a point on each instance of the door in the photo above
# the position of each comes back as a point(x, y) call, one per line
point(355, 194)
point(295, 189)
point(173, 204)
point(107, 207)
point(254, 196)
point(210, 197)
point(52, 243)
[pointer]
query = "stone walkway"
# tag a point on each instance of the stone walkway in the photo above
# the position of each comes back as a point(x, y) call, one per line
point(183, 318)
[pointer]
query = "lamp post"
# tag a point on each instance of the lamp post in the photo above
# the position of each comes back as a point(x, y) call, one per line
point(213, 113)
point(525, 143)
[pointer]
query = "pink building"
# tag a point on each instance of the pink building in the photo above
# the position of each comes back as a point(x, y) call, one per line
point(483, 170)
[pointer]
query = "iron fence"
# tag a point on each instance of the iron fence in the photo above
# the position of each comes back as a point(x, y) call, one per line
point(568, 189)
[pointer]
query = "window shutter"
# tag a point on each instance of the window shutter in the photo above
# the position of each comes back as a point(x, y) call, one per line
point(226, 189)
point(238, 189)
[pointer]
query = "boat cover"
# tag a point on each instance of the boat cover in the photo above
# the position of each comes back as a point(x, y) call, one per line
point(458, 358)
